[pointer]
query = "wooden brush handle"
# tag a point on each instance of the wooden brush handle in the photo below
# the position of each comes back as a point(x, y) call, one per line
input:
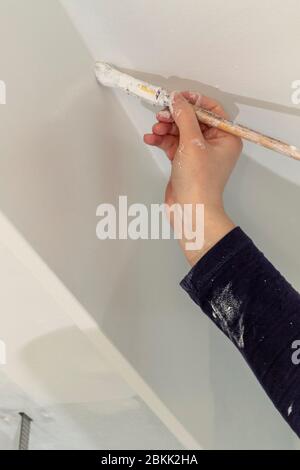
point(213, 120)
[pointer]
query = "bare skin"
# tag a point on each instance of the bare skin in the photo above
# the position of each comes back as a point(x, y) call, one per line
point(202, 160)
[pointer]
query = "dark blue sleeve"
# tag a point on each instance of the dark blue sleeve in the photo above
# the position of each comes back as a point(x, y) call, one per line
point(259, 311)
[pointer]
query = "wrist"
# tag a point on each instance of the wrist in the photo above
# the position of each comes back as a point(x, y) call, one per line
point(216, 225)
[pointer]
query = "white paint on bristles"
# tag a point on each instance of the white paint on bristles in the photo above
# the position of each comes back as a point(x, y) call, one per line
point(165, 114)
point(109, 76)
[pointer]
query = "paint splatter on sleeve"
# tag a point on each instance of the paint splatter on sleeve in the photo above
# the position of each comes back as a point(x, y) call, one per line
point(258, 310)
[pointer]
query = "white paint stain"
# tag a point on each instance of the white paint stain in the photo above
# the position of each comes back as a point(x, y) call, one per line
point(165, 114)
point(181, 152)
point(226, 310)
point(199, 143)
point(171, 102)
point(290, 409)
point(109, 76)
point(177, 112)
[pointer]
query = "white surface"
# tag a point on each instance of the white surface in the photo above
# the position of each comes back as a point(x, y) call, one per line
point(112, 77)
point(244, 54)
point(241, 53)
point(52, 366)
point(97, 424)
point(67, 146)
point(44, 162)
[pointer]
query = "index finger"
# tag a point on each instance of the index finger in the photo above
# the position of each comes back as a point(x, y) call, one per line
point(205, 102)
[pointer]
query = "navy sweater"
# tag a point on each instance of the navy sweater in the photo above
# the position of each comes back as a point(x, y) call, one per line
point(259, 311)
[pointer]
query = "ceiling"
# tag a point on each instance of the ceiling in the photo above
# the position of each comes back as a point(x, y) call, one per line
point(243, 53)
point(102, 330)
point(54, 373)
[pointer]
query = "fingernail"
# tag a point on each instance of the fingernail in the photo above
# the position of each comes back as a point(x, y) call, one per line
point(172, 94)
point(175, 98)
point(199, 100)
point(164, 114)
point(198, 143)
point(195, 97)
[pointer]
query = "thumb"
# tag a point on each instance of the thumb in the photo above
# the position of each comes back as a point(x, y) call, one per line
point(185, 118)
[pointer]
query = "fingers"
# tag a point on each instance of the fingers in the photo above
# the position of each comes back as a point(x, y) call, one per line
point(181, 121)
point(193, 97)
point(163, 128)
point(168, 143)
point(205, 102)
point(164, 116)
point(165, 137)
point(210, 133)
point(198, 100)
point(185, 118)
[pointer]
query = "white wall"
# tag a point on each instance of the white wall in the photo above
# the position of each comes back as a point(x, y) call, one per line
point(57, 162)
point(68, 145)
point(245, 54)
point(52, 371)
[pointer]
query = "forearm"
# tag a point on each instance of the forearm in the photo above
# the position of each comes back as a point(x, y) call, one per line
point(248, 299)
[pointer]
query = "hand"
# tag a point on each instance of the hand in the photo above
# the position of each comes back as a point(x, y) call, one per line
point(202, 160)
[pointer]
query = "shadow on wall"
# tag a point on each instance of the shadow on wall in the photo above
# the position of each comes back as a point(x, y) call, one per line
point(88, 406)
point(72, 377)
point(228, 100)
point(266, 206)
point(131, 288)
point(74, 153)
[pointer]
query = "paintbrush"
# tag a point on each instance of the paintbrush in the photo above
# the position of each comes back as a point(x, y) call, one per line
point(110, 76)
